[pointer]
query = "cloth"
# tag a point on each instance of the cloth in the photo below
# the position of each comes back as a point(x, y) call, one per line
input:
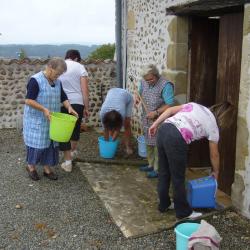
point(71, 81)
point(64, 146)
point(35, 124)
point(194, 122)
point(33, 90)
point(46, 157)
point(205, 238)
point(152, 156)
point(167, 92)
point(172, 152)
point(152, 96)
point(120, 100)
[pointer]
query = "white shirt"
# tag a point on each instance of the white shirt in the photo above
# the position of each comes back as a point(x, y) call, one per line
point(194, 122)
point(71, 81)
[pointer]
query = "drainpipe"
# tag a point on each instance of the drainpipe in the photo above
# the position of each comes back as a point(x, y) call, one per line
point(118, 42)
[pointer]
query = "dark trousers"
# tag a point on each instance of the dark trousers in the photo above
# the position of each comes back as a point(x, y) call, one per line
point(65, 146)
point(172, 152)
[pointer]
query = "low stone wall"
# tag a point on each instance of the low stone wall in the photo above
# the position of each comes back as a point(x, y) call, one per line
point(13, 80)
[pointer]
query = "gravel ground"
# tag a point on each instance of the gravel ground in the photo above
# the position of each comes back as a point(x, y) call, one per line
point(66, 214)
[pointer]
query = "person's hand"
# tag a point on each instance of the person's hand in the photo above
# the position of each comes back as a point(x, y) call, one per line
point(129, 150)
point(46, 113)
point(151, 115)
point(85, 113)
point(152, 130)
point(72, 111)
point(215, 175)
point(136, 99)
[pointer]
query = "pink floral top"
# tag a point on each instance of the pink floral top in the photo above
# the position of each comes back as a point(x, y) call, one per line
point(194, 122)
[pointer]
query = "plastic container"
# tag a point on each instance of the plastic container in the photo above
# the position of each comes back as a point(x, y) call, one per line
point(107, 149)
point(142, 147)
point(61, 126)
point(201, 193)
point(183, 232)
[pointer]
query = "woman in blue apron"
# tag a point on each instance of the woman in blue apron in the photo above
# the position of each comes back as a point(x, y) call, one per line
point(44, 95)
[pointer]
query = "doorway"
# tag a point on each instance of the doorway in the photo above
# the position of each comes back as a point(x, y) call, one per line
point(214, 75)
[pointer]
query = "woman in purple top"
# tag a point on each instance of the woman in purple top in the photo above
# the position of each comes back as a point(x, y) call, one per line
point(182, 125)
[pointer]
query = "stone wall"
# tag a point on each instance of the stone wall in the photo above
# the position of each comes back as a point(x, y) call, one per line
point(13, 80)
point(241, 186)
point(154, 37)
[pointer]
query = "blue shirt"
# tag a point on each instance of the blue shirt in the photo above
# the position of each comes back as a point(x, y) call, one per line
point(120, 100)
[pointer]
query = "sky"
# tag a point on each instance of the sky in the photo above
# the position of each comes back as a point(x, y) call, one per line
point(57, 21)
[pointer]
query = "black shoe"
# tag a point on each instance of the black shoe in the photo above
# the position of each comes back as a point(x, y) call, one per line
point(33, 174)
point(52, 176)
point(165, 209)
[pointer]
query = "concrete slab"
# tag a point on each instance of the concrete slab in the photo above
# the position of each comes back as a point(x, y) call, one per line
point(130, 197)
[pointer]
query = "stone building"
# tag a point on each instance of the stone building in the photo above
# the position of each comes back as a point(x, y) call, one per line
point(204, 48)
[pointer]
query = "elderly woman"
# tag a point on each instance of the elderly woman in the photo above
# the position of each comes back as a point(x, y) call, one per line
point(44, 95)
point(157, 94)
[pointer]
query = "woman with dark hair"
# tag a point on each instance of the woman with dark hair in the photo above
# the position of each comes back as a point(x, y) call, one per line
point(180, 125)
point(116, 112)
point(44, 95)
point(75, 84)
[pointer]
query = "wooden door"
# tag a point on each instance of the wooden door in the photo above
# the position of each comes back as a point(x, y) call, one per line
point(214, 77)
point(227, 88)
point(203, 71)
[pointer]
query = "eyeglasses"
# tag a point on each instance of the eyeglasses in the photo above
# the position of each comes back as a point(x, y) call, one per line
point(150, 79)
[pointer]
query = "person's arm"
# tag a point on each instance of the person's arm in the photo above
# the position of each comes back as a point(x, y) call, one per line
point(85, 94)
point(32, 93)
point(67, 105)
point(214, 158)
point(167, 113)
point(168, 97)
point(34, 104)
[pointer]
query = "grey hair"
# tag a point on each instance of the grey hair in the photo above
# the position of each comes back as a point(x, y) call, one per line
point(150, 69)
point(57, 63)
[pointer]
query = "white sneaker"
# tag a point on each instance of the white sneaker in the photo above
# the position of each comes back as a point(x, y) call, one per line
point(74, 154)
point(194, 215)
point(171, 206)
point(66, 167)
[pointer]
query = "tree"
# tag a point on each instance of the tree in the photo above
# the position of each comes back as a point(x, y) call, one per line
point(105, 51)
point(22, 54)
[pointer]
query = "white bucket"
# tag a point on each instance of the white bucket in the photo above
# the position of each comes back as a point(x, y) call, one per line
point(142, 148)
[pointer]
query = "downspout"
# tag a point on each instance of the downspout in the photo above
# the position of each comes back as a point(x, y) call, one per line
point(118, 39)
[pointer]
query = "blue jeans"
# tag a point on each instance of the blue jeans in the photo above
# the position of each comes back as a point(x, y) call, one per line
point(172, 152)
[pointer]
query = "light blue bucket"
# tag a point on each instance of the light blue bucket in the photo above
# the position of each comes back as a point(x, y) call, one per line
point(142, 147)
point(183, 232)
point(107, 149)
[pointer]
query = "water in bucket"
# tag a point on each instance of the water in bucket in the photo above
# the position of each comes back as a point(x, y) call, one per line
point(107, 149)
point(183, 232)
point(142, 147)
point(61, 126)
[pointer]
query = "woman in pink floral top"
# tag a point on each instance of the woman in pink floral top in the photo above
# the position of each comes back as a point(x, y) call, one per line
point(180, 126)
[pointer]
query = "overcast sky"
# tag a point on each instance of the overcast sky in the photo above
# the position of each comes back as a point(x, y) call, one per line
point(57, 21)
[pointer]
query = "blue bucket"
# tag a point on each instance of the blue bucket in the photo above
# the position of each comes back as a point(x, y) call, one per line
point(107, 149)
point(183, 232)
point(201, 193)
point(142, 147)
